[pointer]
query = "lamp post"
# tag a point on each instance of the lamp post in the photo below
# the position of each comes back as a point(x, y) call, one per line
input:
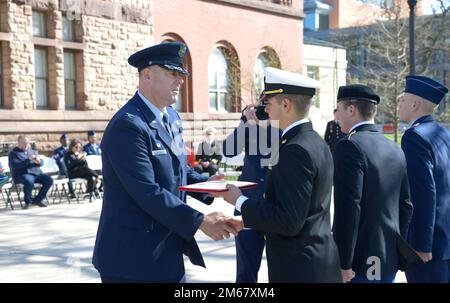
point(412, 34)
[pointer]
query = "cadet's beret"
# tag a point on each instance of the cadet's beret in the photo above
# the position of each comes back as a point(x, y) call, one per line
point(277, 81)
point(168, 55)
point(426, 88)
point(359, 92)
point(91, 133)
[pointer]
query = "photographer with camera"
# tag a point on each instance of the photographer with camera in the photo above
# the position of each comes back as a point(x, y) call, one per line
point(254, 136)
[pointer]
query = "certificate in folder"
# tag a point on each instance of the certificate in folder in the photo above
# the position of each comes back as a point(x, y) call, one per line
point(216, 186)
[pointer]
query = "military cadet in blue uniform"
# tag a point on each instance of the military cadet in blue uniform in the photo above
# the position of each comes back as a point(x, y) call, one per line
point(145, 225)
point(371, 195)
point(60, 152)
point(295, 214)
point(333, 132)
point(92, 147)
point(426, 145)
point(58, 155)
point(254, 136)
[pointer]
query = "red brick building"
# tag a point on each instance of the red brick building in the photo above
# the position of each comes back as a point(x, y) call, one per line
point(230, 42)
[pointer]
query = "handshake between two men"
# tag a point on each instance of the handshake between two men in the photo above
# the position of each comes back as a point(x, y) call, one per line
point(217, 225)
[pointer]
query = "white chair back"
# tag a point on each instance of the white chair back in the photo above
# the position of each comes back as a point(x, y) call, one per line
point(234, 161)
point(94, 162)
point(50, 166)
point(5, 164)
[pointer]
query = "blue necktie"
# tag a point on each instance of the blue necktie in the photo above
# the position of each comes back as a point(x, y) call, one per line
point(166, 123)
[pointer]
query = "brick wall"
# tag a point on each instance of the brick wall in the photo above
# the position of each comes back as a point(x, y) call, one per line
point(106, 33)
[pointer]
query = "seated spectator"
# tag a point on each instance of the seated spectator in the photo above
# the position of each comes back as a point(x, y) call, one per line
point(77, 167)
point(3, 178)
point(60, 152)
point(25, 164)
point(92, 147)
point(208, 154)
point(58, 155)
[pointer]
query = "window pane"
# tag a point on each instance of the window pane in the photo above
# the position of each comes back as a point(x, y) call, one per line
point(222, 99)
point(41, 93)
point(70, 94)
point(179, 104)
point(218, 78)
point(39, 28)
point(213, 101)
point(40, 62)
point(67, 29)
point(258, 74)
point(41, 74)
point(69, 66)
point(313, 72)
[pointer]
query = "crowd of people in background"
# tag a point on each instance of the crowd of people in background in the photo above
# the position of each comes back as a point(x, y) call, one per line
point(25, 164)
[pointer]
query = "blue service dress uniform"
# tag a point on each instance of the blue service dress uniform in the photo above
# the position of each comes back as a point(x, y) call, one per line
point(145, 225)
point(92, 149)
point(427, 149)
point(58, 155)
point(372, 203)
point(295, 215)
point(256, 142)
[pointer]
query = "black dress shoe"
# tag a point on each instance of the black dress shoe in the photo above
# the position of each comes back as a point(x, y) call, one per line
point(40, 204)
point(26, 206)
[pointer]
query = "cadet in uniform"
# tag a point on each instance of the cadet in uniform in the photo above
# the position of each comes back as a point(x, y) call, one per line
point(371, 195)
point(333, 132)
point(58, 155)
point(427, 149)
point(254, 135)
point(92, 147)
point(145, 225)
point(295, 215)
point(208, 154)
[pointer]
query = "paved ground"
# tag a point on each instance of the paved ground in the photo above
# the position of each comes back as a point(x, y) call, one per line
point(55, 244)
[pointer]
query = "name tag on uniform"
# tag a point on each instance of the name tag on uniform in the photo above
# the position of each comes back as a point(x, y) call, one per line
point(159, 152)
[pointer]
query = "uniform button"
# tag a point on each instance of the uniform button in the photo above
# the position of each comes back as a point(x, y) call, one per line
point(262, 179)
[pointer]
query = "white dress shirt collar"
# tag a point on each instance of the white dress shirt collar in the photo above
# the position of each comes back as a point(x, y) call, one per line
point(294, 125)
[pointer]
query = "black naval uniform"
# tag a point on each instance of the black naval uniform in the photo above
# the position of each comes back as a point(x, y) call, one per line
point(372, 202)
point(295, 215)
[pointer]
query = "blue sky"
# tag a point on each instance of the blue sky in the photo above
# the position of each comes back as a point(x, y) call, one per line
point(429, 4)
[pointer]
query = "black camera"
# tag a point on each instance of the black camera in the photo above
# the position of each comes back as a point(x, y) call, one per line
point(261, 113)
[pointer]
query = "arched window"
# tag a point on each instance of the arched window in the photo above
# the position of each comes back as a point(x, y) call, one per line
point(267, 57)
point(258, 74)
point(218, 82)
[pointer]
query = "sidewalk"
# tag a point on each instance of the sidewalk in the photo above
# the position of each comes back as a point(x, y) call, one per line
point(55, 244)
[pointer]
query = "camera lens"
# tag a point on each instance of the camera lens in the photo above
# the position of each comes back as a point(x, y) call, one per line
point(261, 113)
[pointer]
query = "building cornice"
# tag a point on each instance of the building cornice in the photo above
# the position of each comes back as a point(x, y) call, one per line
point(263, 6)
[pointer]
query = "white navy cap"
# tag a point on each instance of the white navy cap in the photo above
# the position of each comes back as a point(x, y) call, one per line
point(277, 81)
